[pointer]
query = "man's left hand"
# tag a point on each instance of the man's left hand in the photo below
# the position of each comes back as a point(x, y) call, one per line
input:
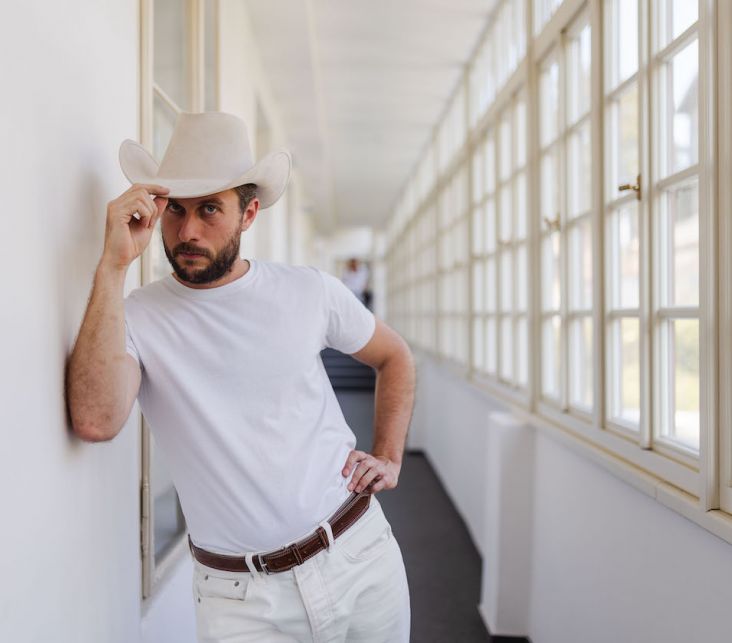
point(377, 472)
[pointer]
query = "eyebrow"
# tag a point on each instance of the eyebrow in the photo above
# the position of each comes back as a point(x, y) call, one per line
point(215, 200)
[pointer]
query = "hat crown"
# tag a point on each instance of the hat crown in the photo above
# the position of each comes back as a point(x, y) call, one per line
point(205, 146)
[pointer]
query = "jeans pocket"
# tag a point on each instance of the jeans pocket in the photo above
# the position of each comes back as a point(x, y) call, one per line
point(207, 585)
point(365, 541)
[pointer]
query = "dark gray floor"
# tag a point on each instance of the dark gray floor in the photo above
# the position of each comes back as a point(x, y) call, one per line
point(443, 566)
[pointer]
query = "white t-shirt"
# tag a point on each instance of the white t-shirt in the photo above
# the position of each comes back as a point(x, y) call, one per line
point(239, 403)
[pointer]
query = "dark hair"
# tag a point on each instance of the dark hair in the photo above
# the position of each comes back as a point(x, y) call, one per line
point(246, 193)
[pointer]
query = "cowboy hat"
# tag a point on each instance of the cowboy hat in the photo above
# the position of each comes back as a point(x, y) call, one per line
point(208, 153)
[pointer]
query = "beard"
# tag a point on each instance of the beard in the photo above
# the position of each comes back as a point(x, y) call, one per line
point(217, 267)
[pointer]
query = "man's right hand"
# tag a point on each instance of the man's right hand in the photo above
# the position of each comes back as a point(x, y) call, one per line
point(126, 237)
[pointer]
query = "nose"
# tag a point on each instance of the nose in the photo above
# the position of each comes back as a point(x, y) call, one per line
point(189, 228)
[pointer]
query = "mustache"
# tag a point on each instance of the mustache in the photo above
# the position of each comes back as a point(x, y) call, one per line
point(189, 250)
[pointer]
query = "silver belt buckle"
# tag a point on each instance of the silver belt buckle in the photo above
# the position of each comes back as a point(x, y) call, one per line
point(263, 565)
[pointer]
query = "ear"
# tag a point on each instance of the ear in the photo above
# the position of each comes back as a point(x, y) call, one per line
point(250, 214)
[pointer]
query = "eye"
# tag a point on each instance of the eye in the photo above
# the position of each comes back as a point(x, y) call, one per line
point(208, 205)
point(173, 207)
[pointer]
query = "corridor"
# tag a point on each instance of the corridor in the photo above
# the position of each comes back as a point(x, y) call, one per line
point(500, 230)
point(443, 566)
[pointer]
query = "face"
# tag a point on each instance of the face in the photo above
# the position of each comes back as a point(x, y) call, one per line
point(201, 236)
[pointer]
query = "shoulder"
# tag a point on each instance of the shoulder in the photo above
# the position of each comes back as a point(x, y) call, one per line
point(296, 274)
point(145, 296)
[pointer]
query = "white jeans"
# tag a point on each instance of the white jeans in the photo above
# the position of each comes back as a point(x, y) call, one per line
point(357, 591)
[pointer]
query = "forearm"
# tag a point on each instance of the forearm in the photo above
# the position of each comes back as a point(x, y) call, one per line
point(96, 371)
point(393, 404)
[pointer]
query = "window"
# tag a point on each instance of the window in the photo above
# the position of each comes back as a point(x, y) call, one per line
point(452, 291)
point(589, 152)
point(675, 224)
point(172, 83)
point(567, 364)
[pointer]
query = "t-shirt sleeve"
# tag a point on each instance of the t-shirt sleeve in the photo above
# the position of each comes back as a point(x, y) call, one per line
point(350, 324)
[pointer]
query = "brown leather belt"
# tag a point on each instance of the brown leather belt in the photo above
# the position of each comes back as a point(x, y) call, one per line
point(295, 554)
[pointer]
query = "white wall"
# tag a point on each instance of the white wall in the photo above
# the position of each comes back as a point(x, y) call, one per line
point(571, 553)
point(70, 528)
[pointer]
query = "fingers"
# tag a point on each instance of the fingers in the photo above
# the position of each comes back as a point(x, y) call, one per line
point(150, 188)
point(353, 458)
point(367, 469)
point(160, 203)
point(145, 207)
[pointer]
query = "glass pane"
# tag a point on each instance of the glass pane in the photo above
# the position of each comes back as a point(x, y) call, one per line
point(505, 147)
point(478, 233)
point(549, 99)
point(507, 281)
point(505, 231)
point(578, 75)
point(679, 269)
point(210, 55)
point(549, 190)
point(520, 205)
point(681, 358)
point(490, 285)
point(490, 226)
point(489, 161)
point(580, 363)
point(519, 124)
point(168, 520)
point(624, 375)
point(674, 17)
point(679, 111)
point(550, 363)
point(624, 257)
point(621, 41)
point(521, 278)
point(622, 144)
point(519, 27)
point(550, 284)
point(478, 347)
point(490, 345)
point(478, 286)
point(170, 55)
point(478, 187)
point(507, 349)
point(579, 171)
point(522, 352)
point(580, 265)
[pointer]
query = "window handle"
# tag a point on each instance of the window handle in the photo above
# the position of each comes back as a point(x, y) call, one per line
point(636, 188)
point(553, 224)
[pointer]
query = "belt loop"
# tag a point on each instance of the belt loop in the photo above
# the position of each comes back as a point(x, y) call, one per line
point(329, 533)
point(249, 557)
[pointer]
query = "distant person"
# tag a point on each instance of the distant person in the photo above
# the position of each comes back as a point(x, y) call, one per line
point(356, 278)
point(287, 539)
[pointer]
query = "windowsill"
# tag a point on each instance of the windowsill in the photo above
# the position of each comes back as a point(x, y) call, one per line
point(716, 521)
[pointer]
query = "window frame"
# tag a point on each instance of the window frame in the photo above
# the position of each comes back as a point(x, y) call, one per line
point(698, 487)
point(155, 572)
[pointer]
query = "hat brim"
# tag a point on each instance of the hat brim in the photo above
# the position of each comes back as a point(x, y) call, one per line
point(271, 175)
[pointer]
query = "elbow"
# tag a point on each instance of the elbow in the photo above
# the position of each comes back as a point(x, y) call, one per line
point(89, 425)
point(401, 357)
point(93, 432)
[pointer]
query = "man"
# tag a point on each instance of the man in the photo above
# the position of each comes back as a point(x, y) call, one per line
point(287, 540)
point(356, 278)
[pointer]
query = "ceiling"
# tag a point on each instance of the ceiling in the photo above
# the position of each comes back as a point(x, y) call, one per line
point(359, 86)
